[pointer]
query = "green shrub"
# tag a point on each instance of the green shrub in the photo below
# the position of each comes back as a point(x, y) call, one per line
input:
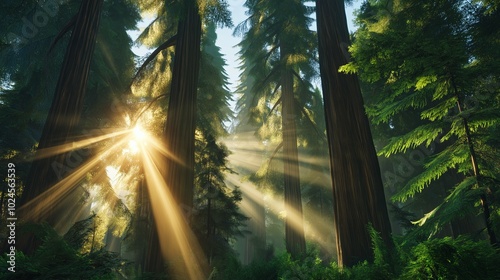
point(56, 258)
point(448, 258)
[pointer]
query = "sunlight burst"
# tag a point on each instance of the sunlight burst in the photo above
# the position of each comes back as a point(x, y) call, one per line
point(139, 137)
point(139, 133)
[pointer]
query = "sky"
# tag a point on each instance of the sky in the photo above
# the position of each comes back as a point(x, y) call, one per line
point(227, 42)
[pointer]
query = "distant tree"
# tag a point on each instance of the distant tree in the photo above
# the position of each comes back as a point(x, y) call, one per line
point(217, 220)
point(276, 49)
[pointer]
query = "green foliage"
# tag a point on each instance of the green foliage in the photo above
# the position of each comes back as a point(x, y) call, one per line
point(444, 258)
point(80, 232)
point(213, 95)
point(217, 220)
point(59, 258)
point(269, 26)
point(428, 73)
point(452, 259)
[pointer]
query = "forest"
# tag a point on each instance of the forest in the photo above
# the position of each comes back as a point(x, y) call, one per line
point(370, 153)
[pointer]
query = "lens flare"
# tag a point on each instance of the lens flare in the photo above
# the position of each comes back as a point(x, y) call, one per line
point(139, 133)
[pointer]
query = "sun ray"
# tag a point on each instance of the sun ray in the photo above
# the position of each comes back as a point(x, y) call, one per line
point(39, 207)
point(160, 147)
point(176, 238)
point(278, 207)
point(59, 149)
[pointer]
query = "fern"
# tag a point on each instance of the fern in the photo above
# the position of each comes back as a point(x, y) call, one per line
point(390, 107)
point(424, 134)
point(460, 201)
point(440, 164)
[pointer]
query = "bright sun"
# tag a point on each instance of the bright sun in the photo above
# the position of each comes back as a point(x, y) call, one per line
point(139, 135)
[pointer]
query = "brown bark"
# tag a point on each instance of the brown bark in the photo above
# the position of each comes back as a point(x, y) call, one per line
point(64, 114)
point(179, 128)
point(358, 191)
point(180, 125)
point(294, 229)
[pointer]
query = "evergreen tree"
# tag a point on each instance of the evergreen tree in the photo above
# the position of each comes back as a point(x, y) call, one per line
point(217, 220)
point(180, 125)
point(357, 184)
point(66, 108)
point(34, 87)
point(277, 52)
point(440, 69)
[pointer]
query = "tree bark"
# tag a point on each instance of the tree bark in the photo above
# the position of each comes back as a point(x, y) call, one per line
point(294, 229)
point(179, 130)
point(357, 185)
point(63, 117)
point(180, 125)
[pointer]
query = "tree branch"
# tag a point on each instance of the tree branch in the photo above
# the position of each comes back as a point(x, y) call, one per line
point(274, 107)
point(322, 135)
point(147, 107)
point(63, 31)
point(276, 150)
point(170, 42)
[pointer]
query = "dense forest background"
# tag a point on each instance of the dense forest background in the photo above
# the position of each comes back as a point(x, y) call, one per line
point(364, 155)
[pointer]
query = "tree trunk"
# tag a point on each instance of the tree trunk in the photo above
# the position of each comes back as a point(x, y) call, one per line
point(179, 128)
point(294, 229)
point(63, 117)
point(180, 125)
point(358, 191)
point(475, 169)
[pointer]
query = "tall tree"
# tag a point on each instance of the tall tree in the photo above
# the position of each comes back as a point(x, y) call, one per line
point(179, 129)
point(357, 185)
point(276, 50)
point(66, 108)
point(181, 115)
point(217, 220)
point(442, 69)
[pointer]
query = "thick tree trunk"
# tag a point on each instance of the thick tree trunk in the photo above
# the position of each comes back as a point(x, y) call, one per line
point(179, 128)
point(180, 125)
point(358, 191)
point(63, 116)
point(294, 229)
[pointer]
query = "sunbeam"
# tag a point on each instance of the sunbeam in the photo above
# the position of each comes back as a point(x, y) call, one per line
point(277, 206)
point(59, 149)
point(157, 145)
point(40, 207)
point(176, 238)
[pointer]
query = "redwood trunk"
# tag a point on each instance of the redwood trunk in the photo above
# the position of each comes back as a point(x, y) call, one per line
point(180, 125)
point(357, 185)
point(294, 229)
point(179, 128)
point(63, 116)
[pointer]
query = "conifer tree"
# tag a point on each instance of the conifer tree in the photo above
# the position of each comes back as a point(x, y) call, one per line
point(66, 107)
point(441, 68)
point(357, 185)
point(217, 220)
point(276, 49)
point(105, 78)
point(179, 129)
